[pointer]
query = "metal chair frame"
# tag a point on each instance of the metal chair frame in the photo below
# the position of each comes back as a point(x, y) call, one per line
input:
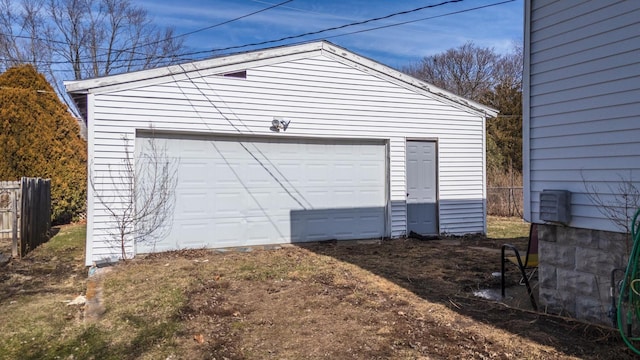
point(532, 248)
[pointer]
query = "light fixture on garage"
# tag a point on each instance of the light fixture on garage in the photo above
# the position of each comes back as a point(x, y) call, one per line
point(278, 124)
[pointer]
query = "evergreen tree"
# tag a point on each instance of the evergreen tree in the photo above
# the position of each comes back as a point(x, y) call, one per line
point(40, 138)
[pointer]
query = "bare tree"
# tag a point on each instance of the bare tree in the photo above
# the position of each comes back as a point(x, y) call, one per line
point(103, 37)
point(68, 18)
point(138, 195)
point(504, 133)
point(467, 71)
point(78, 39)
point(508, 68)
point(493, 79)
point(23, 33)
point(621, 203)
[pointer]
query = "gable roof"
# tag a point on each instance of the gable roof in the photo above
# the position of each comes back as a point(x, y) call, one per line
point(79, 89)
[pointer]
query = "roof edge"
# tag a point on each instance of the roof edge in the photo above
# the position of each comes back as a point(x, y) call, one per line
point(86, 85)
point(408, 79)
point(83, 87)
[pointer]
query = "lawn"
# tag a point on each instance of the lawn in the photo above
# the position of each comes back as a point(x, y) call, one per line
point(396, 299)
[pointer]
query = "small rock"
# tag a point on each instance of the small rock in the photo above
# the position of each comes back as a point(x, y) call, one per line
point(79, 300)
point(4, 259)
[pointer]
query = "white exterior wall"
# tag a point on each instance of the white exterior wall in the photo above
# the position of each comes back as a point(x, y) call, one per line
point(323, 95)
point(581, 103)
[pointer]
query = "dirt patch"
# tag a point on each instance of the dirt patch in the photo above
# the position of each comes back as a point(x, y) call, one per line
point(41, 275)
point(395, 299)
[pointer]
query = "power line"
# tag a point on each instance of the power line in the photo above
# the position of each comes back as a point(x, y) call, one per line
point(360, 31)
point(353, 24)
point(310, 11)
point(131, 50)
point(327, 29)
point(212, 26)
point(182, 56)
point(188, 56)
point(422, 19)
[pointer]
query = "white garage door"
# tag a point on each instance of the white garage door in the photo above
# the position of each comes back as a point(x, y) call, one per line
point(255, 191)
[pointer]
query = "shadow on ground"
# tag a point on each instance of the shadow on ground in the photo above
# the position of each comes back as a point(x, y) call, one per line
point(449, 271)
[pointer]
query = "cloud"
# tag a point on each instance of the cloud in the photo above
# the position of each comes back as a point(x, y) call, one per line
point(495, 27)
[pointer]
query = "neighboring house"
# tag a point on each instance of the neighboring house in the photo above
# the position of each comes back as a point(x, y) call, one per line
point(369, 152)
point(581, 135)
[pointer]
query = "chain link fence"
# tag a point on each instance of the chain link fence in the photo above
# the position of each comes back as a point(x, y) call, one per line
point(505, 201)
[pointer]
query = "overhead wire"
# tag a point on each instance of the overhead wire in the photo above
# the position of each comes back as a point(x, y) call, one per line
point(254, 156)
point(131, 50)
point(213, 26)
point(183, 57)
point(422, 19)
point(310, 33)
point(310, 11)
point(291, 37)
point(248, 129)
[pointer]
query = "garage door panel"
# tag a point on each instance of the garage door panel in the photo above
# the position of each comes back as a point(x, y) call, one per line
point(190, 233)
point(238, 192)
point(350, 223)
point(223, 174)
point(316, 174)
point(225, 204)
point(262, 230)
point(198, 169)
point(289, 171)
point(192, 204)
point(257, 175)
point(226, 232)
point(259, 204)
point(367, 197)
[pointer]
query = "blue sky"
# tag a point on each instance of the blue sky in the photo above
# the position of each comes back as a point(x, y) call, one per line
point(495, 26)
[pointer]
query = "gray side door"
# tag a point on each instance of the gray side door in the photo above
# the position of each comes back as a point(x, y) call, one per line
point(422, 204)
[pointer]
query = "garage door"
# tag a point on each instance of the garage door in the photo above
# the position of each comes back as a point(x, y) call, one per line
point(255, 191)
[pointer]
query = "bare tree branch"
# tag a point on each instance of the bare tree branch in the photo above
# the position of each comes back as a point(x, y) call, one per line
point(79, 39)
point(621, 203)
point(140, 195)
point(467, 70)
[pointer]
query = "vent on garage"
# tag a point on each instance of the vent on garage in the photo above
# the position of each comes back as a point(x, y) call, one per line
point(238, 74)
point(555, 206)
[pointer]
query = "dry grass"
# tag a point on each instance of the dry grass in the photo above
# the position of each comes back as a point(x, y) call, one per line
point(32, 295)
point(399, 299)
point(500, 227)
point(504, 193)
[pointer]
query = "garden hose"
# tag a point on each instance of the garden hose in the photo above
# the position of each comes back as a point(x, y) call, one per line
point(629, 301)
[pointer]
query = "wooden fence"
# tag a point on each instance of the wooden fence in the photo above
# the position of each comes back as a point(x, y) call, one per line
point(25, 213)
point(10, 211)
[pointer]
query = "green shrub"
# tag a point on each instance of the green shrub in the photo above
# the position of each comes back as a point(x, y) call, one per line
point(40, 138)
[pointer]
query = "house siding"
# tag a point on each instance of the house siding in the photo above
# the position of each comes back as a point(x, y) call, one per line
point(583, 89)
point(581, 131)
point(324, 97)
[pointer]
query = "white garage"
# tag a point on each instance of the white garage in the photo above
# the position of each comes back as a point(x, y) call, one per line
point(284, 145)
point(241, 191)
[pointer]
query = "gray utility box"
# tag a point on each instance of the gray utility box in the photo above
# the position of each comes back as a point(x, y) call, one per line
point(555, 206)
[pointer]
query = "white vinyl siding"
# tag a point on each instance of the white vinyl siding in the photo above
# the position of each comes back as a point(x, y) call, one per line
point(323, 98)
point(584, 86)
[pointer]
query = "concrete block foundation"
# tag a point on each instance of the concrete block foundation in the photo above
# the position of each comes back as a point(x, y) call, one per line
point(575, 268)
